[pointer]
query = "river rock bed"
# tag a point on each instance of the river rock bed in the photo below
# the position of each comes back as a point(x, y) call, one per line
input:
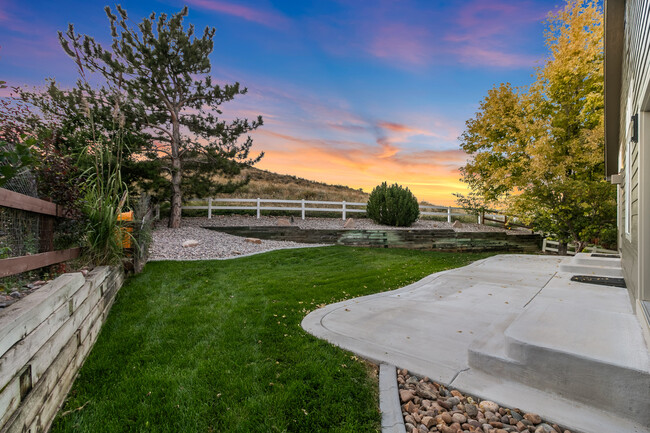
point(428, 406)
point(195, 243)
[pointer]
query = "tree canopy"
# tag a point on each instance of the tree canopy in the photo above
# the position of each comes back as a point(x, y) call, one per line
point(539, 149)
point(158, 98)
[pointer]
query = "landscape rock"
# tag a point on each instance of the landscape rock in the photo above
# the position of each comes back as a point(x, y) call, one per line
point(429, 421)
point(190, 243)
point(487, 405)
point(471, 410)
point(457, 224)
point(426, 390)
point(349, 223)
point(459, 418)
point(545, 428)
point(253, 240)
point(533, 417)
point(283, 222)
point(410, 407)
point(454, 412)
point(406, 395)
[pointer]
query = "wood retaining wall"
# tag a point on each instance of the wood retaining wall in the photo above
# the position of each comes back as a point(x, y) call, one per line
point(44, 339)
point(441, 240)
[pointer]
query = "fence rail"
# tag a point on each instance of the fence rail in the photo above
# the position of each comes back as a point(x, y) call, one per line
point(47, 211)
point(335, 206)
point(553, 247)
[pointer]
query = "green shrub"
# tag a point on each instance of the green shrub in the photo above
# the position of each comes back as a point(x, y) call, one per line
point(392, 205)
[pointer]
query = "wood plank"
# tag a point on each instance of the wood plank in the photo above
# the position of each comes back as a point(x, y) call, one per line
point(24, 316)
point(44, 343)
point(24, 202)
point(18, 356)
point(33, 403)
point(56, 363)
point(9, 400)
point(16, 265)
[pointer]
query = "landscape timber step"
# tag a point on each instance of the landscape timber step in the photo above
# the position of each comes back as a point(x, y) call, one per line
point(435, 239)
point(594, 357)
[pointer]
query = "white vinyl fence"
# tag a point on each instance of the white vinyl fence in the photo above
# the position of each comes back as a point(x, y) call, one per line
point(552, 246)
point(303, 206)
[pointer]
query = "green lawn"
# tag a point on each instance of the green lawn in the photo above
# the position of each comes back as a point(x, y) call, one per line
point(216, 346)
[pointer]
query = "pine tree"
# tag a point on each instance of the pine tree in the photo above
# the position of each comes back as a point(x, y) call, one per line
point(158, 89)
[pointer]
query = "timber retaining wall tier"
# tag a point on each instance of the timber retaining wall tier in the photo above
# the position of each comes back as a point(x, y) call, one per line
point(441, 240)
point(44, 339)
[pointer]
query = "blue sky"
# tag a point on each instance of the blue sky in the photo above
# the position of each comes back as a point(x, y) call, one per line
point(352, 92)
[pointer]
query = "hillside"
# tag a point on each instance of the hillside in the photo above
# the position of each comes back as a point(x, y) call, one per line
point(266, 184)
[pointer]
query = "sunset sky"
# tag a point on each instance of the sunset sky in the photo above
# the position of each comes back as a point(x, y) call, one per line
point(351, 92)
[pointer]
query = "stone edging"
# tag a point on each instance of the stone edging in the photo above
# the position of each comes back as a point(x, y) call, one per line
point(389, 404)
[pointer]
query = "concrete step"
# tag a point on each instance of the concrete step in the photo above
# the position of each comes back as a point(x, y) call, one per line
point(585, 264)
point(574, 416)
point(600, 271)
point(590, 260)
point(598, 358)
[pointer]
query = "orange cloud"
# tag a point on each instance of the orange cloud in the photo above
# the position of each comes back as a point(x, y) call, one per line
point(431, 175)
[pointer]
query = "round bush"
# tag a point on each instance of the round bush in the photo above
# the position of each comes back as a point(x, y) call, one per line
point(392, 205)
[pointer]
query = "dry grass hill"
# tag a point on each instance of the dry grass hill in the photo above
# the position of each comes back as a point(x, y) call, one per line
point(266, 184)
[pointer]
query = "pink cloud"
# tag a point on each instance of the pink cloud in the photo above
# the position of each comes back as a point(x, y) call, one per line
point(486, 32)
point(264, 17)
point(401, 42)
point(472, 55)
point(479, 32)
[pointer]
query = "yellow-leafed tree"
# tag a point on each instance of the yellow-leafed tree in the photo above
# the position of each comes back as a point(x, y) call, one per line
point(539, 149)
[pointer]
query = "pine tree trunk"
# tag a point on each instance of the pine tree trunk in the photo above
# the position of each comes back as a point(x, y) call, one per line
point(177, 175)
point(177, 196)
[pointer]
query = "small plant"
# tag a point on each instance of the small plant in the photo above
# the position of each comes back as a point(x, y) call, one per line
point(393, 205)
point(105, 198)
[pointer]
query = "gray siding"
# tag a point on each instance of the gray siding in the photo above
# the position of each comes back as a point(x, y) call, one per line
point(636, 66)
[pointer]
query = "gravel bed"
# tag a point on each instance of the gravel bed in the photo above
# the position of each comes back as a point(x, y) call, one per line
point(336, 223)
point(167, 244)
point(430, 407)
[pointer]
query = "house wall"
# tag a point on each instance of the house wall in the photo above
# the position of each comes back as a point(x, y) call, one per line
point(44, 339)
point(636, 75)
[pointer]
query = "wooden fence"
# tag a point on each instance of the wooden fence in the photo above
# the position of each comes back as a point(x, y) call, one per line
point(48, 211)
point(345, 208)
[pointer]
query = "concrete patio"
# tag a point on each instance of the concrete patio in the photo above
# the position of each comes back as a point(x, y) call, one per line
point(513, 329)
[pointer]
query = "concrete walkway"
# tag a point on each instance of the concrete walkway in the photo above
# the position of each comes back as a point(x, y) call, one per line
point(513, 329)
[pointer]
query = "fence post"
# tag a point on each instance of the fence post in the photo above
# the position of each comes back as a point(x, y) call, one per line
point(343, 210)
point(157, 210)
point(544, 245)
point(479, 218)
point(302, 205)
point(210, 208)
point(258, 208)
point(449, 214)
